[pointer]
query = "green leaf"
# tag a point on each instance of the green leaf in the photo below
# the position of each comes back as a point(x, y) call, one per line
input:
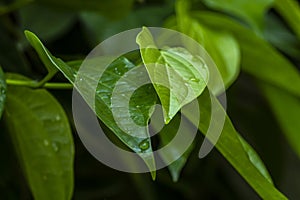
point(290, 11)
point(42, 138)
point(51, 63)
point(2, 92)
point(103, 106)
point(50, 23)
point(220, 45)
point(286, 108)
point(266, 64)
point(241, 156)
point(250, 11)
point(178, 76)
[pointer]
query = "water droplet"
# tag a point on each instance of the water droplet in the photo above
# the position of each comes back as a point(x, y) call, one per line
point(46, 142)
point(55, 146)
point(81, 79)
point(194, 79)
point(57, 117)
point(144, 145)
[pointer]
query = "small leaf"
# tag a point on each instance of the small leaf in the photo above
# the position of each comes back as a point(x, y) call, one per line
point(178, 76)
point(43, 141)
point(2, 92)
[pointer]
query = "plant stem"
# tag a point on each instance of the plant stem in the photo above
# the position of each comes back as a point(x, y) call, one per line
point(35, 84)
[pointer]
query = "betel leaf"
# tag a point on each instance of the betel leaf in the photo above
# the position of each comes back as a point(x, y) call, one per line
point(2, 91)
point(286, 109)
point(178, 76)
point(235, 149)
point(220, 45)
point(42, 137)
point(258, 58)
point(102, 98)
point(250, 11)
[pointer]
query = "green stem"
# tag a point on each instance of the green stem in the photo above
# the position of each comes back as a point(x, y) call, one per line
point(35, 84)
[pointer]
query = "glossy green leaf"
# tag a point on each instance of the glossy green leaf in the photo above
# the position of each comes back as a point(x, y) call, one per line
point(250, 11)
point(178, 76)
point(286, 108)
point(290, 11)
point(2, 91)
point(241, 156)
point(220, 45)
point(267, 64)
point(57, 21)
point(43, 141)
point(102, 99)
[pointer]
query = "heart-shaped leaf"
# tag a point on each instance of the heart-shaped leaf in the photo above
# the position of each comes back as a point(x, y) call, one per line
point(178, 76)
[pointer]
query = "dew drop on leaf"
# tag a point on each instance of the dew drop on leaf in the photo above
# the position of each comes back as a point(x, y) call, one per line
point(144, 145)
point(194, 79)
point(46, 142)
point(55, 146)
point(57, 117)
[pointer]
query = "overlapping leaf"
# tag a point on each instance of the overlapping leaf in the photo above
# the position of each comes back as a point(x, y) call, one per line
point(102, 98)
point(43, 141)
point(178, 76)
